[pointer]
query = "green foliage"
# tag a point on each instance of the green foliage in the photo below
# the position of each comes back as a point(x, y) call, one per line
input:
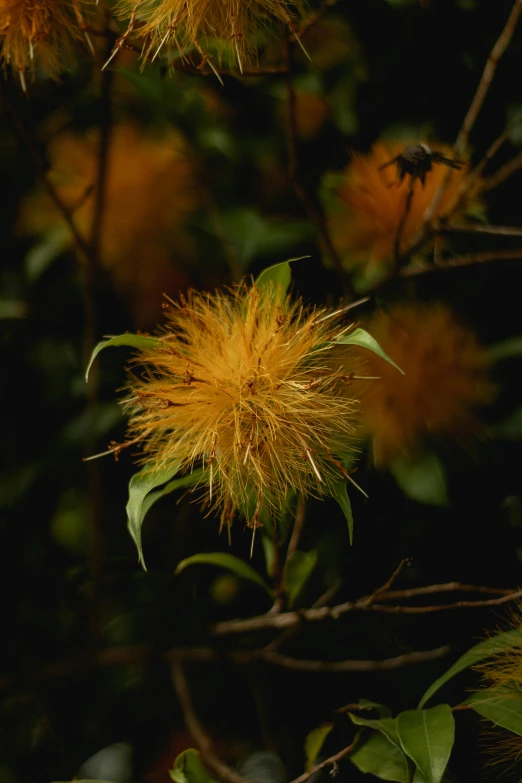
point(378, 756)
point(427, 737)
point(361, 338)
point(340, 493)
point(188, 768)
point(422, 479)
point(298, 569)
point(140, 485)
point(499, 643)
point(228, 561)
point(129, 340)
point(503, 707)
point(314, 741)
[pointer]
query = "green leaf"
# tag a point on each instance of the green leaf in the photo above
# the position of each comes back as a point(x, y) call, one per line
point(139, 487)
point(41, 255)
point(364, 340)
point(224, 560)
point(314, 742)
point(340, 493)
point(386, 726)
point(482, 650)
point(277, 276)
point(506, 349)
point(269, 552)
point(380, 757)
point(427, 737)
point(178, 483)
point(298, 569)
point(130, 340)
point(422, 479)
point(384, 712)
point(188, 768)
point(503, 708)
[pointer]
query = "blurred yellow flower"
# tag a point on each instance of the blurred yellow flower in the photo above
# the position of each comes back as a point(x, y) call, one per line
point(40, 34)
point(181, 25)
point(444, 381)
point(150, 191)
point(245, 383)
point(371, 203)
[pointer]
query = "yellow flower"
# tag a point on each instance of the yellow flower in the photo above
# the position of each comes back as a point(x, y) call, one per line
point(246, 384)
point(372, 203)
point(150, 190)
point(443, 385)
point(183, 24)
point(39, 33)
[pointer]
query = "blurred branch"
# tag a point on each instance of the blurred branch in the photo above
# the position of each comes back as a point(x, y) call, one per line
point(196, 730)
point(505, 171)
point(473, 228)
point(312, 211)
point(487, 77)
point(481, 257)
point(469, 120)
point(26, 139)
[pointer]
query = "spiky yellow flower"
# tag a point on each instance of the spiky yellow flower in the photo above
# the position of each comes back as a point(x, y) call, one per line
point(246, 384)
point(150, 190)
point(444, 381)
point(372, 203)
point(40, 34)
point(181, 25)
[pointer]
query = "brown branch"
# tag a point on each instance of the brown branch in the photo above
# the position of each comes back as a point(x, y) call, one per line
point(81, 243)
point(386, 664)
point(505, 171)
point(402, 223)
point(331, 761)
point(481, 257)
point(475, 228)
point(197, 731)
point(446, 587)
point(313, 213)
point(487, 77)
point(469, 120)
point(290, 619)
point(383, 591)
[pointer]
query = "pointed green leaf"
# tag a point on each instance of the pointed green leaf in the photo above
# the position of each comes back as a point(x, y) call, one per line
point(314, 742)
point(130, 340)
point(427, 737)
point(188, 768)
point(380, 757)
point(277, 275)
point(503, 708)
point(298, 569)
point(139, 487)
point(482, 650)
point(361, 338)
point(340, 493)
point(224, 560)
point(506, 349)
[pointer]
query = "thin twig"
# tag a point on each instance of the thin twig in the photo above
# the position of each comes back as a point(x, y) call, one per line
point(300, 514)
point(329, 762)
point(197, 731)
point(382, 591)
point(505, 171)
point(487, 77)
point(290, 619)
point(313, 212)
point(481, 257)
point(475, 228)
point(387, 664)
point(471, 115)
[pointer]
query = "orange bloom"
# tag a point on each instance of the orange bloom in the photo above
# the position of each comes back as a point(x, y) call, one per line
point(39, 34)
point(183, 24)
point(372, 203)
point(443, 386)
point(248, 385)
point(150, 190)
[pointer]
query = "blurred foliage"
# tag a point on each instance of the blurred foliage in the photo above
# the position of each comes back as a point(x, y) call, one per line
point(71, 577)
